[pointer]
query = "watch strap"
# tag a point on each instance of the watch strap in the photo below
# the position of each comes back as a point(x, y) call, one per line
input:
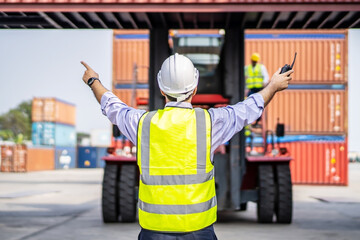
point(91, 80)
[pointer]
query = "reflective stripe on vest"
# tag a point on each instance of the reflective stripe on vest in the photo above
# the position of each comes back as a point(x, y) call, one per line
point(176, 182)
point(254, 77)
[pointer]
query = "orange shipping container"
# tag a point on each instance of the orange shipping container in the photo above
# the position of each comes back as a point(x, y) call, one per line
point(321, 55)
point(40, 159)
point(318, 162)
point(53, 110)
point(126, 95)
point(309, 111)
point(127, 53)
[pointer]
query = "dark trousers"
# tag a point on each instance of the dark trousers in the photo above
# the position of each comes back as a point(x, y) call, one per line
point(203, 234)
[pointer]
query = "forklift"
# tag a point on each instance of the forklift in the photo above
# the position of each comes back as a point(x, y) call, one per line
point(240, 175)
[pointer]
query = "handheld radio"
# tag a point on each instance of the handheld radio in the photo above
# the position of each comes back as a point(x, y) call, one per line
point(288, 67)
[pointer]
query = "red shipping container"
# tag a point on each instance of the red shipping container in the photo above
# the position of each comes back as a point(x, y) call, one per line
point(20, 156)
point(7, 158)
point(309, 112)
point(318, 162)
point(319, 60)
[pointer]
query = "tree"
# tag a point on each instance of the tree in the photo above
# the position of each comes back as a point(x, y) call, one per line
point(16, 123)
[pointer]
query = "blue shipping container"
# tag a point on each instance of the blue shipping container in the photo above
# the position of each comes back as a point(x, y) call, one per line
point(101, 152)
point(87, 157)
point(65, 157)
point(53, 134)
point(90, 157)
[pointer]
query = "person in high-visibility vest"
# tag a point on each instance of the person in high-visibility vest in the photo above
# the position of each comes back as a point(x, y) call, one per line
point(256, 75)
point(175, 148)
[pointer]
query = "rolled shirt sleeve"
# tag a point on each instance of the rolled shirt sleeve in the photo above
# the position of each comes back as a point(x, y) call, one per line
point(229, 120)
point(120, 114)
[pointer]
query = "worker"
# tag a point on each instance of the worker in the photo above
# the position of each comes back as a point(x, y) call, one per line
point(175, 147)
point(256, 75)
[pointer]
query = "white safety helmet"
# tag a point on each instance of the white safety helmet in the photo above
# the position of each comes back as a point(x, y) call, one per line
point(178, 77)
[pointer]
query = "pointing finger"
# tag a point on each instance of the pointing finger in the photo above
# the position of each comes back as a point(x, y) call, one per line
point(85, 65)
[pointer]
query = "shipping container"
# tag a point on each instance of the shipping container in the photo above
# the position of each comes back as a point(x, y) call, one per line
point(53, 110)
point(6, 158)
point(51, 134)
point(37, 113)
point(39, 159)
point(100, 153)
point(65, 157)
point(87, 157)
point(20, 157)
point(309, 111)
point(318, 162)
point(100, 137)
point(131, 58)
point(126, 95)
point(321, 56)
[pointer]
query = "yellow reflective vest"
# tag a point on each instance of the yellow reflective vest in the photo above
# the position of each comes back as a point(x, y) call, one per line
point(177, 185)
point(254, 77)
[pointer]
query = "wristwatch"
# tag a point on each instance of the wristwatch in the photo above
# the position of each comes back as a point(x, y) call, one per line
point(91, 80)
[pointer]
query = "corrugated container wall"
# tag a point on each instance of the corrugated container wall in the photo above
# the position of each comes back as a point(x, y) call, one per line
point(7, 158)
point(53, 110)
point(127, 53)
point(50, 134)
point(318, 162)
point(126, 95)
point(309, 112)
point(20, 156)
point(321, 57)
point(39, 159)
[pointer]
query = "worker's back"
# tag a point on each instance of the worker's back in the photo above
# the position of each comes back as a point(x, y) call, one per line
point(177, 186)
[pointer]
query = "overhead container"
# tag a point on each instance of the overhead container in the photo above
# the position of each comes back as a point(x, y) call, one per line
point(126, 95)
point(318, 162)
point(321, 56)
point(40, 158)
point(131, 58)
point(309, 111)
point(65, 157)
point(51, 134)
point(87, 157)
point(53, 110)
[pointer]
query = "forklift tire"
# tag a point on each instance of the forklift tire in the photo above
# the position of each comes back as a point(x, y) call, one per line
point(127, 193)
point(266, 193)
point(109, 199)
point(283, 205)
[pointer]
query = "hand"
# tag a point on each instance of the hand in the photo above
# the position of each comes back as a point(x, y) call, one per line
point(89, 72)
point(281, 81)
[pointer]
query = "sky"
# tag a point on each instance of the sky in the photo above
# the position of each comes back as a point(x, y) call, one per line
point(46, 63)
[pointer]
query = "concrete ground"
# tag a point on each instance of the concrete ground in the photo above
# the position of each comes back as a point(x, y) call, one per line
point(65, 204)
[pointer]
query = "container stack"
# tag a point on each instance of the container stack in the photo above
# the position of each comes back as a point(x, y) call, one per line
point(314, 107)
point(131, 65)
point(54, 126)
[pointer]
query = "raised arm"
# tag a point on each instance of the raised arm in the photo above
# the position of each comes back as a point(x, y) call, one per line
point(96, 87)
point(277, 83)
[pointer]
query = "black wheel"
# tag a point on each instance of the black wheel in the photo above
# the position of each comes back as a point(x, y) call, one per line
point(127, 193)
point(109, 194)
point(266, 194)
point(243, 206)
point(283, 205)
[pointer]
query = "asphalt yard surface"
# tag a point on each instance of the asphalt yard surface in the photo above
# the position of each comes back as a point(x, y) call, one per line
point(66, 204)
